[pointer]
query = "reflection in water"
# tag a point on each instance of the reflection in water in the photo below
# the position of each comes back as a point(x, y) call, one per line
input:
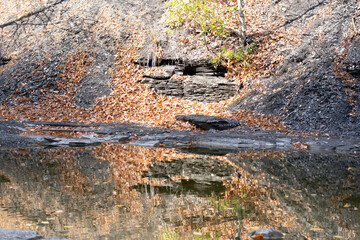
point(126, 192)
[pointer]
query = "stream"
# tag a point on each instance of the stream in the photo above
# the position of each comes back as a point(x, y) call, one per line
point(117, 191)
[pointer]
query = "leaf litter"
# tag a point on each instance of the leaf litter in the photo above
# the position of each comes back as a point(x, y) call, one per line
point(132, 101)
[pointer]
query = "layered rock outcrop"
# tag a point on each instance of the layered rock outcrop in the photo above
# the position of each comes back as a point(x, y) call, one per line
point(201, 83)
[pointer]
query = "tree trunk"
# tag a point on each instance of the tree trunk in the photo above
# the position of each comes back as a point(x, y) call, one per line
point(242, 36)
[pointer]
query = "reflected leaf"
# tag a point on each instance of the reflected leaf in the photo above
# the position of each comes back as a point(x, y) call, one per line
point(258, 237)
point(253, 228)
point(316, 229)
point(57, 212)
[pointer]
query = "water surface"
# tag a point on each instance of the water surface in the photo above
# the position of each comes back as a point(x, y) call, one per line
point(128, 192)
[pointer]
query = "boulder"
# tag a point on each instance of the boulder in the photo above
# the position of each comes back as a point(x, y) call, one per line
point(19, 234)
point(9, 234)
point(208, 122)
point(267, 234)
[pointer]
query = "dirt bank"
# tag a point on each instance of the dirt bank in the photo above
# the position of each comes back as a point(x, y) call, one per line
point(316, 86)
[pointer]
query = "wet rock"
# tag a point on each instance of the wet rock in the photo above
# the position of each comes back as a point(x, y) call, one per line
point(9, 131)
point(120, 138)
point(51, 139)
point(203, 142)
point(220, 143)
point(9, 234)
point(162, 140)
point(64, 124)
point(267, 233)
point(207, 150)
point(116, 138)
point(208, 122)
point(71, 142)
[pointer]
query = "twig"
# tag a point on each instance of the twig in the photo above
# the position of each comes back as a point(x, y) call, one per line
point(234, 30)
point(354, 25)
point(206, 43)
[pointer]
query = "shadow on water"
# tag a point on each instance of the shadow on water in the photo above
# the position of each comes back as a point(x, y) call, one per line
point(127, 192)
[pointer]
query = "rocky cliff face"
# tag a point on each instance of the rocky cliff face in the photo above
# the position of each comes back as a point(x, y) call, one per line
point(49, 33)
point(315, 87)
